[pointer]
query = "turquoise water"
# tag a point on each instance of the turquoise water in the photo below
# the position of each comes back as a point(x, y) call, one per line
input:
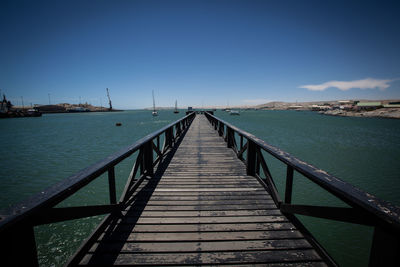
point(38, 152)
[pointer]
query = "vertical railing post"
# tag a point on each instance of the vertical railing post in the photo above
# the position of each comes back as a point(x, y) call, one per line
point(289, 184)
point(258, 164)
point(178, 131)
point(148, 158)
point(111, 185)
point(168, 138)
point(229, 136)
point(385, 248)
point(18, 246)
point(220, 129)
point(251, 158)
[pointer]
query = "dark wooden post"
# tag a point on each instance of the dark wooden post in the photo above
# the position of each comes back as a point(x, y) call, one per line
point(385, 248)
point(220, 129)
point(168, 137)
point(140, 160)
point(178, 129)
point(289, 184)
point(111, 185)
point(18, 246)
point(229, 136)
point(148, 158)
point(258, 163)
point(251, 158)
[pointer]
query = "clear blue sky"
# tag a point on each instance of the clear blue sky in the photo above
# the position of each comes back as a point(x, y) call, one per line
point(198, 52)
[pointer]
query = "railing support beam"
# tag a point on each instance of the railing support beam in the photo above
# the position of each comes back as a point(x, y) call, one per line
point(111, 185)
point(289, 184)
point(18, 246)
point(220, 129)
point(385, 248)
point(229, 136)
point(251, 158)
point(148, 158)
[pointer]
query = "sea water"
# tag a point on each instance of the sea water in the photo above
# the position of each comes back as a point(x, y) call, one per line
point(38, 152)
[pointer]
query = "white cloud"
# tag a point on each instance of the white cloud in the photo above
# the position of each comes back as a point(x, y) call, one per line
point(368, 83)
point(256, 101)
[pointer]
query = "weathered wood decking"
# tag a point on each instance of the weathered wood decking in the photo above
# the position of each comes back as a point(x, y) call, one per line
point(201, 209)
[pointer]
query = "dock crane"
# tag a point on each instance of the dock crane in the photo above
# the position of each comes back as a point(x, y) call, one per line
point(109, 99)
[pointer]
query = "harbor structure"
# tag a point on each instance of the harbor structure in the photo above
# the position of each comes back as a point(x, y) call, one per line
point(109, 100)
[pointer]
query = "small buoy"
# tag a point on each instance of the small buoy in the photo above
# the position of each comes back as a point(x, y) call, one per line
point(118, 124)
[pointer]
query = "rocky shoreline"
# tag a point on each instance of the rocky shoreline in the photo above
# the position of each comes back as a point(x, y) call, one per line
point(392, 113)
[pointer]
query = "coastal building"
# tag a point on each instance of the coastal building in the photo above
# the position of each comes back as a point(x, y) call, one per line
point(5, 105)
point(346, 107)
point(295, 107)
point(390, 105)
point(369, 105)
point(320, 108)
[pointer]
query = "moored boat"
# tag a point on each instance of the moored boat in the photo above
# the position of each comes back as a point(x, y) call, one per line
point(176, 107)
point(154, 113)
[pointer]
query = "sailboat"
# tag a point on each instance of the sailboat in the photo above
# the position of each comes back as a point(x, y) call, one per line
point(154, 113)
point(176, 107)
point(227, 107)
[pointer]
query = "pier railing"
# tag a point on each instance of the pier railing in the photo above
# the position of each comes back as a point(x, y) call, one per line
point(365, 209)
point(17, 239)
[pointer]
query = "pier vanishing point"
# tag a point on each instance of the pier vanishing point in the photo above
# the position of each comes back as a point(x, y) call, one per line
point(200, 193)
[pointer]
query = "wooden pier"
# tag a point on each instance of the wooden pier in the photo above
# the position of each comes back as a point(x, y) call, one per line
point(203, 209)
point(206, 198)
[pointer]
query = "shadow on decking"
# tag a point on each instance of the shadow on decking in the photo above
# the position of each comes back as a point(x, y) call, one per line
point(117, 233)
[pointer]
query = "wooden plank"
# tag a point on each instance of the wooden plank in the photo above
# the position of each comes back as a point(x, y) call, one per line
point(152, 202)
point(268, 256)
point(231, 189)
point(208, 182)
point(211, 219)
point(203, 236)
point(217, 213)
point(200, 197)
point(194, 186)
point(243, 193)
point(204, 208)
point(202, 227)
point(182, 247)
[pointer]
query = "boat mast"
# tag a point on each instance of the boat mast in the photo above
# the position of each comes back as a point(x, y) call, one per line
point(109, 99)
point(154, 102)
point(176, 105)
